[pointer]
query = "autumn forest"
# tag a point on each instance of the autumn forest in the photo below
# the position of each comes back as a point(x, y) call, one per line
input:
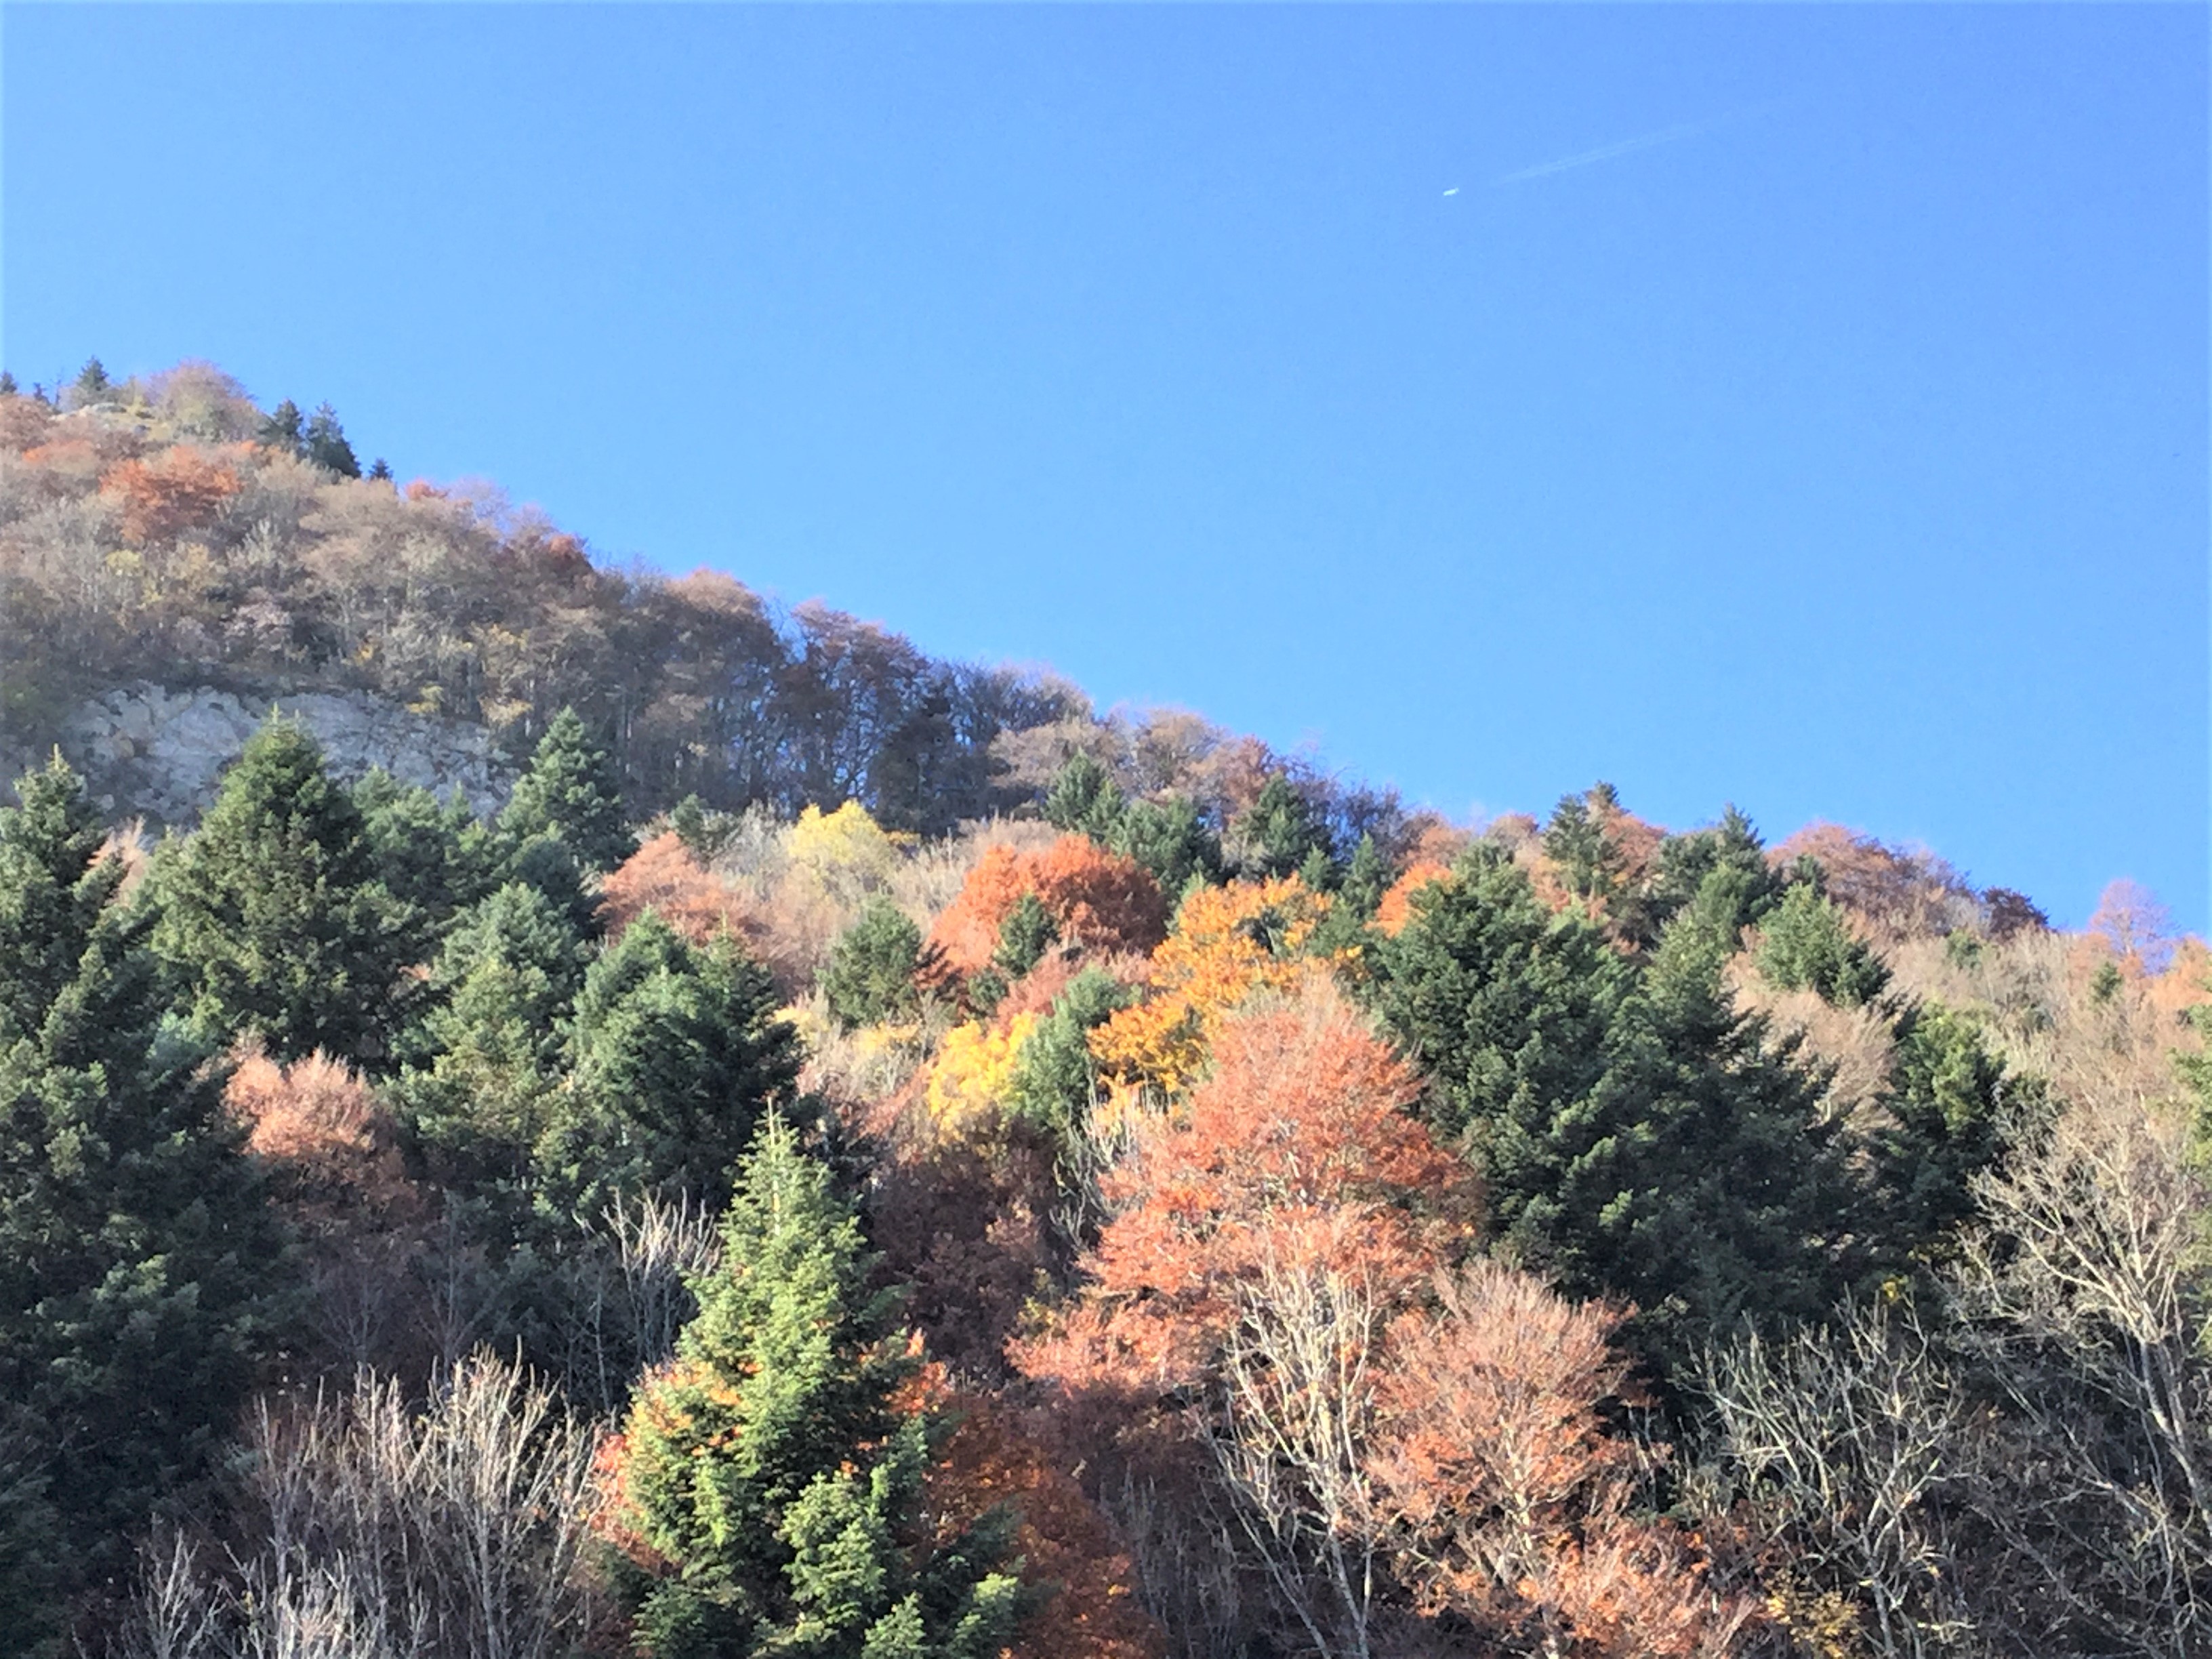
point(862, 1157)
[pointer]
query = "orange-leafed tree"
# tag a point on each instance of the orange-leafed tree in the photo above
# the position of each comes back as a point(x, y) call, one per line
point(663, 876)
point(1099, 901)
point(1297, 1144)
point(1506, 1498)
point(181, 488)
point(1396, 908)
point(1228, 942)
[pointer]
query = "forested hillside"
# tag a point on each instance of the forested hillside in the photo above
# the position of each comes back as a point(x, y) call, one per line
point(859, 1156)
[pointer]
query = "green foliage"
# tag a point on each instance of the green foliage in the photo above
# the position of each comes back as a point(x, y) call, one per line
point(137, 1260)
point(436, 859)
point(1575, 841)
point(1024, 936)
point(488, 1054)
point(770, 1470)
point(92, 384)
point(703, 833)
point(1806, 944)
point(569, 794)
point(1170, 839)
point(1955, 1113)
point(1280, 833)
point(870, 975)
point(1635, 1136)
point(285, 429)
point(1054, 1074)
point(1366, 878)
point(271, 918)
point(677, 1053)
point(1085, 798)
point(325, 444)
point(1730, 856)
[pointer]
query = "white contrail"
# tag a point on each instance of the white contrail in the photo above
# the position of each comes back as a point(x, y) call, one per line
point(1630, 145)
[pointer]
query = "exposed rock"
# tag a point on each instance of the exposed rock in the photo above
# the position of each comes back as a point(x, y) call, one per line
point(146, 750)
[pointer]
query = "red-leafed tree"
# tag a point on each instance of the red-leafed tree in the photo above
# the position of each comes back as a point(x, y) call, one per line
point(181, 488)
point(1098, 899)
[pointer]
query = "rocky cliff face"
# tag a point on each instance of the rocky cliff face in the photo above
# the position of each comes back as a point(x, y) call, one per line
point(147, 749)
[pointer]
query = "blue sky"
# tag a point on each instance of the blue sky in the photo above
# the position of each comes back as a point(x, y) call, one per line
point(1794, 405)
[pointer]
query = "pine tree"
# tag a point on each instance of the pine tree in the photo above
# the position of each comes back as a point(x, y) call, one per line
point(138, 1263)
point(1024, 936)
point(325, 444)
point(1806, 944)
point(270, 917)
point(871, 972)
point(438, 860)
point(92, 384)
point(772, 1482)
point(8, 386)
point(677, 1053)
point(569, 794)
point(1955, 1114)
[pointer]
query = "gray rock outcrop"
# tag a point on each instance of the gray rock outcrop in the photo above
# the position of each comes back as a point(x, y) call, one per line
point(145, 748)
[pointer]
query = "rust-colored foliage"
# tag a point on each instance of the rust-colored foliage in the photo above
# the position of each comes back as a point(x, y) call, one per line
point(1296, 1147)
point(1901, 893)
point(1396, 908)
point(1101, 901)
point(323, 1133)
point(662, 876)
point(181, 488)
point(1509, 1497)
point(1063, 1542)
point(1228, 942)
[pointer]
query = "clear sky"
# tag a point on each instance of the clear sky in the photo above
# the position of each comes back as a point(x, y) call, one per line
point(1794, 405)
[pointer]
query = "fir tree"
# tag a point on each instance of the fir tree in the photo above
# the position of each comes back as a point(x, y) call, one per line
point(871, 972)
point(379, 470)
point(436, 860)
point(1637, 1137)
point(1954, 1114)
point(1170, 840)
point(8, 386)
point(769, 1472)
point(270, 916)
point(91, 384)
point(325, 444)
point(1806, 944)
point(677, 1053)
point(285, 429)
point(138, 1263)
point(1085, 798)
point(569, 794)
point(1024, 936)
point(1278, 834)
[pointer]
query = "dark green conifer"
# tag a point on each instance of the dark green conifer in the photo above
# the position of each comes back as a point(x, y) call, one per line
point(871, 972)
point(1024, 936)
point(1278, 834)
point(570, 793)
point(138, 1263)
point(771, 1471)
point(270, 916)
point(1085, 798)
point(325, 444)
point(1805, 944)
point(285, 429)
point(1170, 840)
point(437, 860)
point(677, 1053)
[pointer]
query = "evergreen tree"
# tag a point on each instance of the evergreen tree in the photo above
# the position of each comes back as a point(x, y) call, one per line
point(8, 386)
point(871, 972)
point(1366, 878)
point(1024, 936)
point(436, 859)
point(1806, 944)
point(325, 444)
point(1054, 1074)
point(1687, 862)
point(489, 1052)
point(271, 918)
point(769, 1469)
point(569, 794)
point(1637, 1137)
point(677, 1053)
point(1280, 833)
point(1954, 1113)
point(91, 384)
point(379, 470)
point(137, 1260)
point(285, 429)
point(1085, 798)
point(1170, 840)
